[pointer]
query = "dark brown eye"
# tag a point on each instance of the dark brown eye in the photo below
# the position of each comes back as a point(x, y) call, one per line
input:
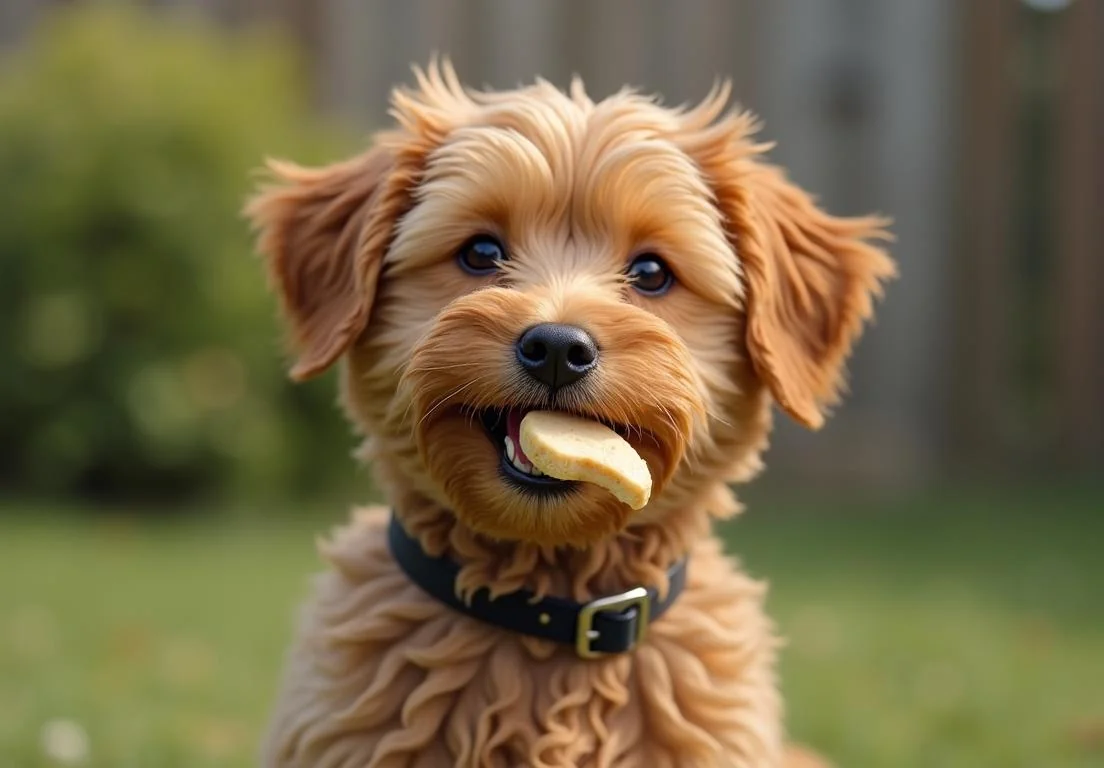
point(481, 255)
point(650, 275)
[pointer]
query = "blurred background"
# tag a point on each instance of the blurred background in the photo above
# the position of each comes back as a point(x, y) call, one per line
point(934, 553)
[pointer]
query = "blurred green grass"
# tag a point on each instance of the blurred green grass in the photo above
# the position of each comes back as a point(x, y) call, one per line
point(955, 629)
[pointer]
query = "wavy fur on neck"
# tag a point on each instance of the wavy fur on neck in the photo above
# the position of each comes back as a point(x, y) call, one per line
point(383, 675)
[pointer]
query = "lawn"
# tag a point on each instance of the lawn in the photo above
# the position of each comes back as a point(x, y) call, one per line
point(956, 629)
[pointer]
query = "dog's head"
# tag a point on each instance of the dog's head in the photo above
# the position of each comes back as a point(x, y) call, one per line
point(632, 264)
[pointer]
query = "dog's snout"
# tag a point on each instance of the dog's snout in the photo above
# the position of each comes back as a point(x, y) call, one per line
point(556, 354)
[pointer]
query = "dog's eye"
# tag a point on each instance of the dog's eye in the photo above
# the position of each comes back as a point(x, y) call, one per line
point(481, 255)
point(650, 275)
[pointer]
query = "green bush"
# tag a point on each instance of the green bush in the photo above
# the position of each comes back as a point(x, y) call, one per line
point(139, 354)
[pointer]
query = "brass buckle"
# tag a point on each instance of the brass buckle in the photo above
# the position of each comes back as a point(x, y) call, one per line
point(585, 634)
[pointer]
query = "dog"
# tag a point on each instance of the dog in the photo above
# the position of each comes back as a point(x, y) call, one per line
point(689, 287)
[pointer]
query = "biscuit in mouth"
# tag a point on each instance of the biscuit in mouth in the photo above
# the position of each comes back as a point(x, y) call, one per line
point(503, 426)
point(552, 451)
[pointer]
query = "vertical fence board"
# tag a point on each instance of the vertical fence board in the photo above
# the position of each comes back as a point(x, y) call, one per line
point(1079, 235)
point(353, 79)
point(616, 38)
point(903, 160)
point(986, 198)
point(526, 40)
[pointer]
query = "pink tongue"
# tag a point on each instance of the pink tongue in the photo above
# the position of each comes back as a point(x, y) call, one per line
point(513, 429)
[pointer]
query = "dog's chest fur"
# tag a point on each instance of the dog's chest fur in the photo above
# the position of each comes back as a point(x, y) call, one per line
point(383, 675)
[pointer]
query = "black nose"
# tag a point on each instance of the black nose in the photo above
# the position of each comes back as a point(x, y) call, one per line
point(555, 354)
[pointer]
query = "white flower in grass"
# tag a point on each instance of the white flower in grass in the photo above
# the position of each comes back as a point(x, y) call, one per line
point(65, 742)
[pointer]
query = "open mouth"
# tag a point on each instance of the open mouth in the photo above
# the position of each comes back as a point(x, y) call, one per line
point(503, 426)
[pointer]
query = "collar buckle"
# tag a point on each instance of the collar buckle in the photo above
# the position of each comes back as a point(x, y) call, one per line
point(585, 634)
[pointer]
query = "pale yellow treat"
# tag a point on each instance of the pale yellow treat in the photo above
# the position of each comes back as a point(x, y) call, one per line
point(570, 448)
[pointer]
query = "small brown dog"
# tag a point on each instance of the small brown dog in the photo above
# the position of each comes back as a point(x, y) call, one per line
point(634, 265)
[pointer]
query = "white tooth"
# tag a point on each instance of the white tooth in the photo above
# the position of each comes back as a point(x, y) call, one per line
point(509, 448)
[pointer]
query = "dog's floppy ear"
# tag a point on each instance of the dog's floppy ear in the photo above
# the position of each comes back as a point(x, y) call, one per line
point(811, 280)
point(810, 277)
point(323, 232)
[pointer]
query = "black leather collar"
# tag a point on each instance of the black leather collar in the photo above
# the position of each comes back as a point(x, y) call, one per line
point(606, 625)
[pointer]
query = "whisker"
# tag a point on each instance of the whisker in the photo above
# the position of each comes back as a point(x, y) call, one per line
point(432, 368)
point(449, 396)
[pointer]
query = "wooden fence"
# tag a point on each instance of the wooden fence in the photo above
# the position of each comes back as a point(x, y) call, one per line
point(978, 125)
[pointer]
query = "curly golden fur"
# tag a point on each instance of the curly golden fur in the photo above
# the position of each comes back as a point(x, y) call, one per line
point(771, 293)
